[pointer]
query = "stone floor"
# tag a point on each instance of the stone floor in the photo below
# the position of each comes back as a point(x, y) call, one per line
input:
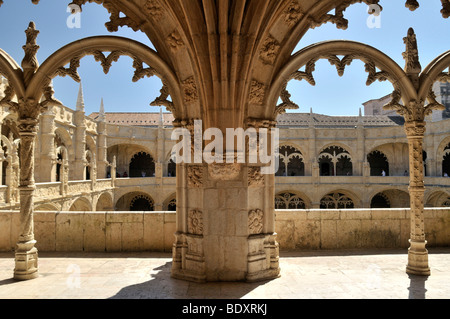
point(378, 274)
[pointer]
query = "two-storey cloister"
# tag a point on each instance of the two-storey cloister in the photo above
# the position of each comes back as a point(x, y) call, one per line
point(227, 63)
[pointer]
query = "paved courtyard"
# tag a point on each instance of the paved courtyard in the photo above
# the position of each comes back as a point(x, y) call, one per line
point(378, 274)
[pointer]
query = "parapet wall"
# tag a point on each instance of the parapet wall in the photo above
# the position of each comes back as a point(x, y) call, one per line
point(154, 231)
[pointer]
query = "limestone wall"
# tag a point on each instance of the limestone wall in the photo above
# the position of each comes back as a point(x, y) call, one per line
point(296, 229)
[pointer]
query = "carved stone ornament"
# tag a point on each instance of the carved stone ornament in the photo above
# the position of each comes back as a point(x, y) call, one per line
point(255, 178)
point(174, 40)
point(195, 222)
point(224, 171)
point(195, 176)
point(269, 50)
point(255, 221)
point(257, 91)
point(154, 9)
point(190, 90)
point(293, 13)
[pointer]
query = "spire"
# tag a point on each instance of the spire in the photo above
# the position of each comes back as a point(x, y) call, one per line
point(80, 99)
point(101, 113)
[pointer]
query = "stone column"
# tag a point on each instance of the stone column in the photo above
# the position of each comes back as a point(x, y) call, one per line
point(102, 161)
point(225, 223)
point(417, 253)
point(26, 255)
point(47, 171)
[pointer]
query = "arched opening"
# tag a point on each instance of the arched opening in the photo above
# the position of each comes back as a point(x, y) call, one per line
point(171, 168)
point(289, 200)
point(380, 200)
point(290, 162)
point(142, 165)
point(81, 205)
point(104, 203)
point(378, 163)
point(336, 200)
point(335, 161)
point(142, 203)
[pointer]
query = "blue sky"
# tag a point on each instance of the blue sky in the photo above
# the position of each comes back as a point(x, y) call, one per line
point(332, 95)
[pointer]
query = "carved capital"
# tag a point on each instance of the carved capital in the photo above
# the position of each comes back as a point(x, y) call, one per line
point(415, 129)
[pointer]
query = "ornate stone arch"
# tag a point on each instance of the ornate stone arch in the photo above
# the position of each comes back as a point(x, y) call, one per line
point(339, 199)
point(170, 204)
point(335, 160)
point(291, 160)
point(291, 200)
point(378, 65)
point(117, 46)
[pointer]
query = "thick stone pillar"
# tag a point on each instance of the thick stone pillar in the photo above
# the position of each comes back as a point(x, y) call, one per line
point(225, 223)
point(102, 162)
point(417, 253)
point(26, 255)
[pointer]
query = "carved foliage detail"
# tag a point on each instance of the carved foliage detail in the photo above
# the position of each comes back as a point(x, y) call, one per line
point(293, 13)
point(269, 50)
point(257, 91)
point(195, 176)
point(255, 178)
point(255, 221)
point(195, 222)
point(190, 90)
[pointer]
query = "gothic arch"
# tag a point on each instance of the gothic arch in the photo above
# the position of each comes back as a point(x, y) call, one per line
point(350, 50)
point(105, 202)
point(339, 199)
point(291, 161)
point(118, 46)
point(291, 200)
point(378, 162)
point(142, 164)
point(170, 204)
point(81, 204)
point(335, 160)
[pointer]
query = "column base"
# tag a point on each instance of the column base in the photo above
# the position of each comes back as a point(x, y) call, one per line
point(26, 261)
point(418, 259)
point(189, 262)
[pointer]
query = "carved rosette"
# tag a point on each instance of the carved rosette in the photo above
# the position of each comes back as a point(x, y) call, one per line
point(154, 9)
point(195, 176)
point(195, 222)
point(255, 221)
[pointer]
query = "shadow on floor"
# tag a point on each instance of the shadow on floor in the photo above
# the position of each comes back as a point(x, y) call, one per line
point(416, 287)
point(162, 286)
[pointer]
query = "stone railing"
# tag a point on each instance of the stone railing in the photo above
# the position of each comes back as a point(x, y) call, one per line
point(296, 229)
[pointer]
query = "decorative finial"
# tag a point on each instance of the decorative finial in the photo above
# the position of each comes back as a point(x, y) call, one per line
point(80, 99)
point(161, 117)
point(411, 56)
point(101, 115)
point(30, 62)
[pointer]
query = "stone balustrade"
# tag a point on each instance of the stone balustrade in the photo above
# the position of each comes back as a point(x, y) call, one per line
point(296, 229)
